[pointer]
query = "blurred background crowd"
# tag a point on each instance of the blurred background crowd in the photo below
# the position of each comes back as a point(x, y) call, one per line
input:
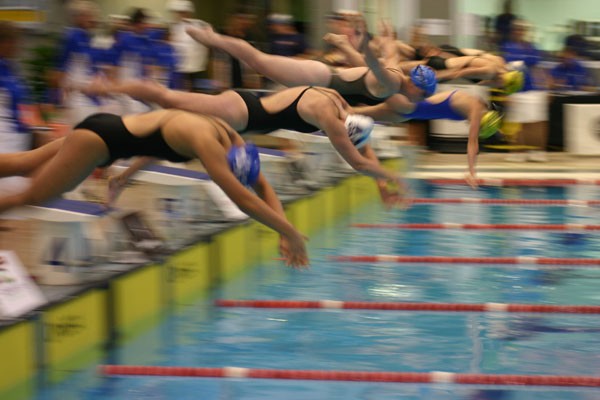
point(49, 50)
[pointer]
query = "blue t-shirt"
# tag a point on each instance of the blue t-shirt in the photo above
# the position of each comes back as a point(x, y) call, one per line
point(76, 56)
point(572, 74)
point(287, 44)
point(77, 59)
point(522, 51)
point(13, 92)
point(133, 53)
point(166, 58)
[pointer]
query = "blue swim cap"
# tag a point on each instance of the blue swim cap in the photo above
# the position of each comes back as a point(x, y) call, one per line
point(244, 162)
point(424, 78)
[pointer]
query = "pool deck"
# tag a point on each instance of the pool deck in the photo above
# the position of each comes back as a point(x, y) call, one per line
point(493, 165)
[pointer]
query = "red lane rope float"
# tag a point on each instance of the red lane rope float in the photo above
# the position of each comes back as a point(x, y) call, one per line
point(468, 260)
point(517, 182)
point(452, 225)
point(357, 376)
point(520, 202)
point(411, 306)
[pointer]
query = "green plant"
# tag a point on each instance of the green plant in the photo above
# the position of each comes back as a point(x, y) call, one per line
point(38, 66)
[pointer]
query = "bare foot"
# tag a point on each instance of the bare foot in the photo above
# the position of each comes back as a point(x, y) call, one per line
point(336, 40)
point(115, 187)
point(385, 29)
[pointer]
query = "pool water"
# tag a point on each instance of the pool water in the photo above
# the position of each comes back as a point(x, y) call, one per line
point(205, 336)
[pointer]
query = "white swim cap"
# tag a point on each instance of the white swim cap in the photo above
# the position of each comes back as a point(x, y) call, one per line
point(359, 129)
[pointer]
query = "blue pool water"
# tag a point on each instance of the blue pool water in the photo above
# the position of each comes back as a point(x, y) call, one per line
point(202, 335)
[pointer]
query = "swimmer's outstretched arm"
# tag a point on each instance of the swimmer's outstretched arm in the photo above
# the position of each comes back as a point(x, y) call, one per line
point(473, 141)
point(485, 72)
point(266, 192)
point(267, 211)
point(391, 110)
point(391, 195)
point(338, 135)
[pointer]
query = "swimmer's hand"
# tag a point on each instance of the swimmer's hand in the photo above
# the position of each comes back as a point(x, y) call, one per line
point(471, 179)
point(394, 193)
point(336, 40)
point(293, 251)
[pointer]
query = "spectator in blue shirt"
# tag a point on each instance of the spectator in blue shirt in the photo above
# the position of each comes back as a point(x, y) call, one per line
point(77, 61)
point(570, 74)
point(163, 67)
point(133, 56)
point(503, 23)
point(18, 115)
point(132, 48)
point(518, 49)
point(15, 100)
point(284, 38)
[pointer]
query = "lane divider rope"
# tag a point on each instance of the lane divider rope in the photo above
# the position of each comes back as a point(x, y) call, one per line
point(452, 225)
point(507, 202)
point(548, 261)
point(517, 182)
point(411, 306)
point(434, 377)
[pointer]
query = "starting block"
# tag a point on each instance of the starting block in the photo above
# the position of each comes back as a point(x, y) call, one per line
point(66, 237)
point(385, 140)
point(287, 172)
point(180, 196)
point(321, 156)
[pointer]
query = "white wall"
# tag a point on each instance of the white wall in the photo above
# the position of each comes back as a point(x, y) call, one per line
point(401, 14)
point(404, 13)
point(345, 5)
point(124, 6)
point(545, 15)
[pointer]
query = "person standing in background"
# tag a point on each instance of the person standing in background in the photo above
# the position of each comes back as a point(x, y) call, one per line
point(503, 23)
point(18, 115)
point(132, 55)
point(577, 41)
point(191, 56)
point(76, 62)
point(131, 49)
point(284, 38)
point(228, 71)
point(526, 111)
point(518, 48)
point(570, 74)
point(163, 68)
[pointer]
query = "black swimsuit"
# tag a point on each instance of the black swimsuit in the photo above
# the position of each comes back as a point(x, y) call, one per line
point(452, 50)
point(354, 92)
point(436, 62)
point(123, 144)
point(261, 121)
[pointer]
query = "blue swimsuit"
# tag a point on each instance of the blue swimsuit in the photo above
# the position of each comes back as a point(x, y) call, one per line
point(425, 110)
